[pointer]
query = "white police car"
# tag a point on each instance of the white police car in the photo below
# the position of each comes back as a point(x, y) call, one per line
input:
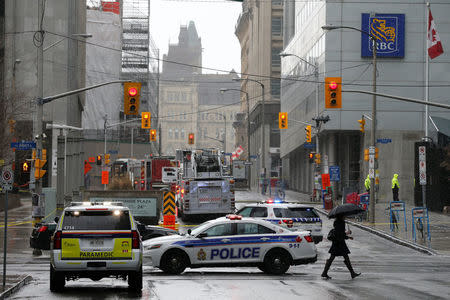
point(232, 241)
point(94, 241)
point(289, 215)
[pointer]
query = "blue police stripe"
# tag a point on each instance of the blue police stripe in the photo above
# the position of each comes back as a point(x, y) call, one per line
point(237, 240)
point(302, 220)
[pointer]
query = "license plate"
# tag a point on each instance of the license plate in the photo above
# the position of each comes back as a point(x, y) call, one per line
point(96, 243)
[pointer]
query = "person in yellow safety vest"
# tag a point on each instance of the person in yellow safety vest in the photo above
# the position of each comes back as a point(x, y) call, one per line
point(367, 183)
point(395, 187)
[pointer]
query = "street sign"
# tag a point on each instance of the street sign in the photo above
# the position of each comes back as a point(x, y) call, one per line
point(325, 181)
point(248, 163)
point(384, 141)
point(254, 156)
point(227, 153)
point(24, 145)
point(87, 167)
point(309, 146)
point(422, 166)
point(335, 173)
point(113, 151)
point(371, 173)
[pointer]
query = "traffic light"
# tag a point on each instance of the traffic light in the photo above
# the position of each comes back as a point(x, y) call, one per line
point(311, 156)
point(283, 120)
point(376, 153)
point(152, 135)
point(333, 92)
point(26, 167)
point(99, 160)
point(145, 120)
point(131, 95)
point(38, 165)
point(366, 154)
point(362, 122)
point(308, 133)
point(191, 139)
point(107, 159)
point(318, 158)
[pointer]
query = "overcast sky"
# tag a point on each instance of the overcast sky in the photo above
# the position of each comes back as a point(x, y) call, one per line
point(215, 21)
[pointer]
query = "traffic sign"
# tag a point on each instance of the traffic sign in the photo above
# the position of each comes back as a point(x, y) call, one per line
point(335, 173)
point(7, 179)
point(105, 177)
point(384, 141)
point(248, 163)
point(169, 204)
point(24, 145)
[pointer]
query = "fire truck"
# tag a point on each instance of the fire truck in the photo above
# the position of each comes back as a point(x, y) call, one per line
point(204, 190)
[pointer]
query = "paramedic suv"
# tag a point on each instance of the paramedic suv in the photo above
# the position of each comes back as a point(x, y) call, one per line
point(96, 241)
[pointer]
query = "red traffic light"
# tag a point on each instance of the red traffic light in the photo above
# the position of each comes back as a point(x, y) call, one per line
point(191, 136)
point(132, 91)
point(333, 85)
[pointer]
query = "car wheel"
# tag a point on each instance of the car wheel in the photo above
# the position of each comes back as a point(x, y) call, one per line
point(57, 280)
point(277, 262)
point(174, 262)
point(135, 280)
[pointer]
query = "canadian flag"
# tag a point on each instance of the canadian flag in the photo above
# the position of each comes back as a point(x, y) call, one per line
point(434, 42)
point(237, 152)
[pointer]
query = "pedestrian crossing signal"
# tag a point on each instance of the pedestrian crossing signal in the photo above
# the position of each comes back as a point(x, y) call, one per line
point(283, 120)
point(311, 157)
point(152, 135)
point(191, 139)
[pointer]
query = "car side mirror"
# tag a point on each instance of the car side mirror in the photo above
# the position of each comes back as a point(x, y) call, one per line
point(56, 219)
point(189, 231)
point(202, 235)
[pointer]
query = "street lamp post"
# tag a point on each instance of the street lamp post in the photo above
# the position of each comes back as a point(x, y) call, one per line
point(374, 111)
point(263, 139)
point(223, 90)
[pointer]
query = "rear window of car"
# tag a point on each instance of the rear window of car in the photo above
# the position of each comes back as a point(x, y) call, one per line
point(254, 212)
point(96, 220)
point(295, 212)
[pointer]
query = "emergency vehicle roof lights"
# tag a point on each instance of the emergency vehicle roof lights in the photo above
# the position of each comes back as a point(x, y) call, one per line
point(269, 201)
point(234, 217)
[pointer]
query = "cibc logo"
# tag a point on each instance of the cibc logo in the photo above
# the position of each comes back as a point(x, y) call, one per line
point(389, 32)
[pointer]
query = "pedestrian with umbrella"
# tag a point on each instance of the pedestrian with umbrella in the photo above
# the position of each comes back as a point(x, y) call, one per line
point(338, 235)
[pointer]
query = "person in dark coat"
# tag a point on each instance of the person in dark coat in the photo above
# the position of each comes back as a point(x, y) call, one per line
point(339, 247)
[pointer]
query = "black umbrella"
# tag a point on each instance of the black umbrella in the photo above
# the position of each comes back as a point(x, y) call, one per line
point(346, 209)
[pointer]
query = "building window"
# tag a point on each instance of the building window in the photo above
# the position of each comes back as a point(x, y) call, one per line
point(170, 133)
point(277, 23)
point(182, 133)
point(276, 59)
point(275, 88)
point(176, 134)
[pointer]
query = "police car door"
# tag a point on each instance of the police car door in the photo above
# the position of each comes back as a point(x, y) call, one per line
point(254, 241)
point(214, 244)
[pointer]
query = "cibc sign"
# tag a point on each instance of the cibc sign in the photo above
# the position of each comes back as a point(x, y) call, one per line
point(389, 31)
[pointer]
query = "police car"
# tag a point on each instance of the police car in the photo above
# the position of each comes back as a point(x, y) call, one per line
point(232, 241)
point(96, 240)
point(289, 215)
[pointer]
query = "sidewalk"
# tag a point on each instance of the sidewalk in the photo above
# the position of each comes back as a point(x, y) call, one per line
point(439, 224)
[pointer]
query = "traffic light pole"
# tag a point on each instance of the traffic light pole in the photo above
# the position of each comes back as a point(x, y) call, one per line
point(373, 131)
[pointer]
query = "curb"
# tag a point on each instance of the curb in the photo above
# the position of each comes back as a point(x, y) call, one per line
point(16, 287)
point(387, 236)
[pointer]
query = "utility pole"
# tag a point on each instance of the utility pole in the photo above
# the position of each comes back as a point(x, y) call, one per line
point(38, 116)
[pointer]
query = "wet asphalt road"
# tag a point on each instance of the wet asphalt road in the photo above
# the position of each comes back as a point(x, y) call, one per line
point(389, 271)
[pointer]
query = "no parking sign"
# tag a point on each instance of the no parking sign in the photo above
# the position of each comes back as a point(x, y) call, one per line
point(7, 179)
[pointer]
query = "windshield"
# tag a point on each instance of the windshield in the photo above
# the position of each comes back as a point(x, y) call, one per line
point(207, 163)
point(295, 212)
point(96, 220)
point(200, 228)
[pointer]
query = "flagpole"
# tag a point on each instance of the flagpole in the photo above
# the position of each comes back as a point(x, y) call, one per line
point(427, 24)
